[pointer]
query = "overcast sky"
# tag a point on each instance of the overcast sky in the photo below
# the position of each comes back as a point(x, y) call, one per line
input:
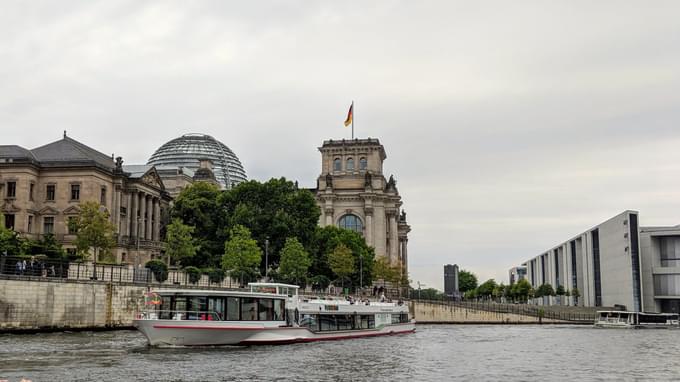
point(509, 126)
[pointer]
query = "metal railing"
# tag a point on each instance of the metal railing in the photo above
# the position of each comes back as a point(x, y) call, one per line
point(561, 313)
point(15, 267)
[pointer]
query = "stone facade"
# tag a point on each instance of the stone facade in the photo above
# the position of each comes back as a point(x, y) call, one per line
point(41, 189)
point(353, 193)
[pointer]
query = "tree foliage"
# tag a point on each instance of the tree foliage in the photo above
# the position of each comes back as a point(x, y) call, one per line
point(466, 281)
point(241, 255)
point(328, 238)
point(520, 290)
point(94, 230)
point(193, 273)
point(545, 290)
point(487, 288)
point(179, 242)
point(158, 269)
point(274, 210)
point(295, 262)
point(341, 262)
point(196, 206)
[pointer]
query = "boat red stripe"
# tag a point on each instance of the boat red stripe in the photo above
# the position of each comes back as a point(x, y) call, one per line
point(296, 340)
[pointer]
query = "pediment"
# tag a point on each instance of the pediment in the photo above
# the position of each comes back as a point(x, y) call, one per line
point(48, 211)
point(9, 206)
point(152, 178)
point(73, 210)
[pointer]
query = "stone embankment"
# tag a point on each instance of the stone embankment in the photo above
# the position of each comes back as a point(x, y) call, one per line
point(437, 313)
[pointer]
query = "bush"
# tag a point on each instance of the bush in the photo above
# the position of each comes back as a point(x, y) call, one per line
point(159, 270)
point(194, 274)
point(215, 275)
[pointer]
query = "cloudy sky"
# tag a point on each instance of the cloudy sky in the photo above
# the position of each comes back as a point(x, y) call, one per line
point(509, 126)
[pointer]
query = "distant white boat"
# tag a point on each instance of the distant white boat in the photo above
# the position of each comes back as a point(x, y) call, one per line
point(623, 319)
point(270, 313)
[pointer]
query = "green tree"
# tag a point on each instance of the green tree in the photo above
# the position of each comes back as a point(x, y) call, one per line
point(295, 262)
point(179, 243)
point(197, 206)
point(466, 281)
point(94, 230)
point(7, 239)
point(576, 294)
point(328, 238)
point(274, 210)
point(522, 289)
point(241, 255)
point(545, 290)
point(341, 262)
point(559, 291)
point(193, 273)
point(382, 270)
point(158, 269)
point(486, 289)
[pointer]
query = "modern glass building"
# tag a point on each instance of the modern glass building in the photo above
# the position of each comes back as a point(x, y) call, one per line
point(187, 151)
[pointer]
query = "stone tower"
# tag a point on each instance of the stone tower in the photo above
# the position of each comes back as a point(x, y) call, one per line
point(353, 193)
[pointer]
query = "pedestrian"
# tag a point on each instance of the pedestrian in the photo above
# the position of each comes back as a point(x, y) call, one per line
point(17, 268)
point(23, 267)
point(375, 290)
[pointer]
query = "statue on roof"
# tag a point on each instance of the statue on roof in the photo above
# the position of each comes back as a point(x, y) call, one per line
point(329, 180)
point(368, 180)
point(391, 184)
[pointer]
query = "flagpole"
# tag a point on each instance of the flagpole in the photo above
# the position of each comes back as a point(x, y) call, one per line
point(352, 119)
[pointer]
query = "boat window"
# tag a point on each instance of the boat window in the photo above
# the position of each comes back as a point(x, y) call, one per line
point(166, 308)
point(233, 309)
point(248, 309)
point(216, 305)
point(396, 318)
point(180, 303)
point(344, 321)
point(404, 318)
point(266, 309)
point(367, 321)
point(279, 310)
point(309, 321)
point(327, 323)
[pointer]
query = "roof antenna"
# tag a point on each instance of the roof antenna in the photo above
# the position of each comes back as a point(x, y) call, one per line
point(64, 133)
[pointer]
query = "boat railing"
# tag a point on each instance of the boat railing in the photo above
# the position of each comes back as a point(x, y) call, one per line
point(179, 315)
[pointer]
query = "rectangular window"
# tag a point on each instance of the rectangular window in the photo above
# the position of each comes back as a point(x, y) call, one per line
point(30, 224)
point(216, 307)
point(279, 310)
point(102, 196)
point(48, 224)
point(596, 267)
point(266, 309)
point(11, 189)
point(233, 309)
point(635, 262)
point(248, 309)
point(574, 270)
point(50, 192)
point(327, 322)
point(75, 192)
point(558, 281)
point(31, 187)
point(9, 221)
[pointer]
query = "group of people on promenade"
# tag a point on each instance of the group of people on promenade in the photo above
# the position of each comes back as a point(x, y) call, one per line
point(33, 267)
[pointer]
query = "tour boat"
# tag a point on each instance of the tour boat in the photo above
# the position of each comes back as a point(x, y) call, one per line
point(623, 319)
point(267, 313)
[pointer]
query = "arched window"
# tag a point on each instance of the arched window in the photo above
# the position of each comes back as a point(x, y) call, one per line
point(352, 223)
point(363, 163)
point(337, 164)
point(350, 164)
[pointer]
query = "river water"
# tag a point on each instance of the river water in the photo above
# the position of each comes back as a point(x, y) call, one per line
point(433, 353)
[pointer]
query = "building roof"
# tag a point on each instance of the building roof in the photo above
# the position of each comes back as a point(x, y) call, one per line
point(15, 152)
point(68, 150)
point(137, 170)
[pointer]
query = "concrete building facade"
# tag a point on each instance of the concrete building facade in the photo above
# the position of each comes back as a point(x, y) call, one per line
point(517, 273)
point(451, 280)
point(353, 193)
point(660, 247)
point(42, 188)
point(603, 263)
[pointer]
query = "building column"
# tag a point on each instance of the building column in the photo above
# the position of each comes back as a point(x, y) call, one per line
point(369, 226)
point(115, 210)
point(149, 220)
point(329, 216)
point(394, 239)
point(405, 260)
point(142, 215)
point(157, 219)
point(132, 213)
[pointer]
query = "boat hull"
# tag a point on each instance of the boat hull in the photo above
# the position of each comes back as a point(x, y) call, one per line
point(168, 333)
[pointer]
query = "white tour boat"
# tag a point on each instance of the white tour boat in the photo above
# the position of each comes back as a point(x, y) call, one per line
point(269, 313)
point(623, 319)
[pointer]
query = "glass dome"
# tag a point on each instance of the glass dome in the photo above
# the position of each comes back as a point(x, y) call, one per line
point(187, 150)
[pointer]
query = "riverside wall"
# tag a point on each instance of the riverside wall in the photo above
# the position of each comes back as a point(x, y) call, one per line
point(28, 305)
point(433, 313)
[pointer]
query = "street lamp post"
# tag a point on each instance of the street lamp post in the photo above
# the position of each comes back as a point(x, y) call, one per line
point(420, 285)
point(361, 272)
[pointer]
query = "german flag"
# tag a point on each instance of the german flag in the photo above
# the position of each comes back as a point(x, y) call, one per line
point(348, 121)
